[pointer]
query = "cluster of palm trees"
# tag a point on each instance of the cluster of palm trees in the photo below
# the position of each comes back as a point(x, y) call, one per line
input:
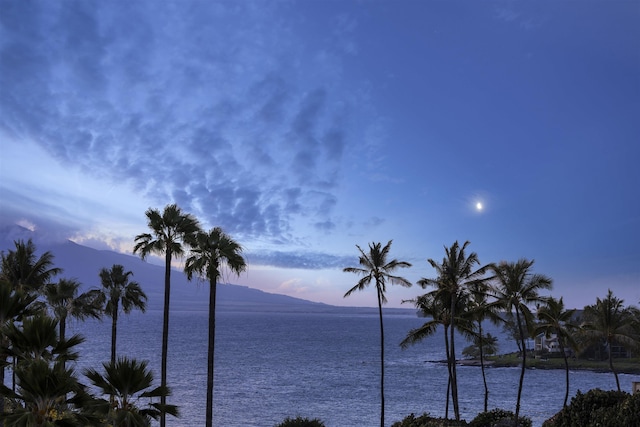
point(465, 293)
point(33, 316)
point(174, 233)
point(34, 310)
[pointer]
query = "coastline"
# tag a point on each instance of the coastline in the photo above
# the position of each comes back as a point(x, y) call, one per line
point(626, 366)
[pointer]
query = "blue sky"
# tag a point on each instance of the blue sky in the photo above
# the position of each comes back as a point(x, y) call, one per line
point(304, 128)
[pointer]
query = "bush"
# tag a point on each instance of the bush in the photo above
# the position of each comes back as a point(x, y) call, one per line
point(301, 422)
point(425, 420)
point(599, 408)
point(499, 418)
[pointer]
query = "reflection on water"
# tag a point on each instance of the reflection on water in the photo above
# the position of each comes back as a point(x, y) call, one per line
point(270, 366)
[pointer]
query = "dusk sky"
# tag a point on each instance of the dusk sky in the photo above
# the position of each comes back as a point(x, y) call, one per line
point(303, 128)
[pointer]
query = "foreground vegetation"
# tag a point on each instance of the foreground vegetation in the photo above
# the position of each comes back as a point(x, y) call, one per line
point(598, 408)
point(495, 417)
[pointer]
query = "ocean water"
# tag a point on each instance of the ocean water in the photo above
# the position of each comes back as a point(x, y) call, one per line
point(272, 365)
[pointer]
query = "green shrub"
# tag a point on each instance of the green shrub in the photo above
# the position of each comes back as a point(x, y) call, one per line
point(301, 422)
point(499, 418)
point(425, 420)
point(598, 408)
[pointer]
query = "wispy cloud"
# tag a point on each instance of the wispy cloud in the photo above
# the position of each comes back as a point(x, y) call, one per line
point(228, 117)
point(302, 260)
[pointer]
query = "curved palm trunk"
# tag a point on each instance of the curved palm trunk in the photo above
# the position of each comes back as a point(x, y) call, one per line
point(566, 372)
point(114, 331)
point(165, 332)
point(446, 347)
point(381, 358)
point(452, 355)
point(611, 364)
point(484, 376)
point(524, 364)
point(211, 353)
point(3, 359)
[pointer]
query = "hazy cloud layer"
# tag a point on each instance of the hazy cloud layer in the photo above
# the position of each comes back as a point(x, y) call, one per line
point(243, 126)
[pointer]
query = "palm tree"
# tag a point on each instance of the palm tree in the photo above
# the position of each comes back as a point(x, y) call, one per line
point(24, 270)
point(430, 305)
point(65, 302)
point(609, 321)
point(374, 266)
point(516, 289)
point(456, 274)
point(479, 309)
point(27, 273)
point(482, 344)
point(49, 394)
point(118, 290)
point(13, 306)
point(554, 319)
point(37, 339)
point(128, 381)
point(212, 252)
point(169, 231)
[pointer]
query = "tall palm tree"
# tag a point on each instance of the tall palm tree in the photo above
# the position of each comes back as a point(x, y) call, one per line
point(63, 299)
point(455, 275)
point(482, 344)
point(431, 306)
point(609, 321)
point(27, 272)
point(169, 231)
point(213, 251)
point(119, 291)
point(516, 289)
point(478, 310)
point(554, 319)
point(375, 267)
point(128, 381)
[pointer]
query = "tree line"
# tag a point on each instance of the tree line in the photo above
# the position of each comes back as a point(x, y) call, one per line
point(34, 310)
point(463, 294)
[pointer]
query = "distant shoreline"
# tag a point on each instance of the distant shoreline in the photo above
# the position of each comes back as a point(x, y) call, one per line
point(511, 360)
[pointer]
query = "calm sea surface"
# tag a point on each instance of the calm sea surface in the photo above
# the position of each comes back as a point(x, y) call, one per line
point(269, 366)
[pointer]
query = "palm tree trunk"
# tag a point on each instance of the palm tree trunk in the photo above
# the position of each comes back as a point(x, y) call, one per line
point(524, 364)
point(3, 358)
point(114, 332)
point(566, 372)
point(14, 365)
point(452, 355)
point(381, 357)
point(446, 347)
point(484, 376)
point(211, 352)
point(63, 329)
point(165, 332)
point(611, 365)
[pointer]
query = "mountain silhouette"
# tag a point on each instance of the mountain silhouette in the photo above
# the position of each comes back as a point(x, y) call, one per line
point(84, 264)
